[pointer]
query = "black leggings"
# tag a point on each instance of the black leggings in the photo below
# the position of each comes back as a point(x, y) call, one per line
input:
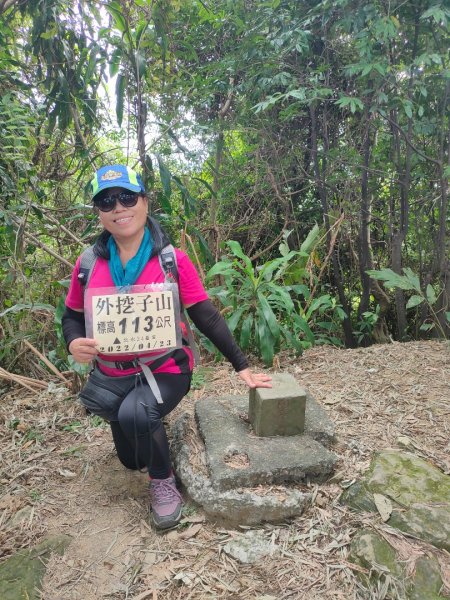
point(139, 435)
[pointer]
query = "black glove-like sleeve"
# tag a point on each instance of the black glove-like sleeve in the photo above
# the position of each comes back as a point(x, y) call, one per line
point(73, 325)
point(210, 322)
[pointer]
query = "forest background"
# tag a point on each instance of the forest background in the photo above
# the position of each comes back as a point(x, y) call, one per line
point(297, 150)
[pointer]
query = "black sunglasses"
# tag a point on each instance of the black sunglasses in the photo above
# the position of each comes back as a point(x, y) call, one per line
point(108, 203)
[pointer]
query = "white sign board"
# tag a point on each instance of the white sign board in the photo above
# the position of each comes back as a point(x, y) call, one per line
point(134, 319)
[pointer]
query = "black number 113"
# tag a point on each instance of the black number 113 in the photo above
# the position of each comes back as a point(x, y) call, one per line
point(136, 322)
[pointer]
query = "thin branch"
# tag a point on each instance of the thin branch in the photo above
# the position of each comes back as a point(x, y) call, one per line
point(226, 106)
point(197, 260)
point(5, 4)
point(41, 245)
point(286, 219)
point(61, 226)
point(336, 226)
point(27, 382)
point(45, 360)
point(409, 143)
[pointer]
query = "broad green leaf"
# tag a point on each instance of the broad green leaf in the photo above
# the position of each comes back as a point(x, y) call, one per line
point(269, 267)
point(431, 294)
point(412, 278)
point(114, 65)
point(31, 307)
point(140, 30)
point(301, 289)
point(319, 302)
point(246, 331)
point(414, 301)
point(281, 297)
point(293, 341)
point(222, 268)
point(265, 340)
point(436, 13)
point(308, 243)
point(447, 315)
point(189, 202)
point(233, 321)
point(341, 313)
point(237, 251)
point(408, 109)
point(115, 10)
point(426, 326)
point(353, 103)
point(165, 176)
point(391, 279)
point(141, 64)
point(165, 203)
point(92, 64)
point(301, 323)
point(120, 96)
point(299, 94)
point(269, 316)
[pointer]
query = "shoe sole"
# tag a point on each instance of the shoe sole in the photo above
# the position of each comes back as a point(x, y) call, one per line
point(169, 524)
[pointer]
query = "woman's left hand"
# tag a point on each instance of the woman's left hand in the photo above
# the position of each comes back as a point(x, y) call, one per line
point(255, 380)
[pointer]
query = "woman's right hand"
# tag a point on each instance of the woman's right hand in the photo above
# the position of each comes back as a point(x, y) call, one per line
point(83, 349)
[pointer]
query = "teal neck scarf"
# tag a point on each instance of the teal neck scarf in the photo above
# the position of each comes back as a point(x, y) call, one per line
point(134, 267)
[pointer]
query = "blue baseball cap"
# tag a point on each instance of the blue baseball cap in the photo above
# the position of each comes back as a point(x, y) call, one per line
point(116, 176)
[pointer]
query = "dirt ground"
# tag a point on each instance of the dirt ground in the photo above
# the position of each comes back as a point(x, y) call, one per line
point(59, 474)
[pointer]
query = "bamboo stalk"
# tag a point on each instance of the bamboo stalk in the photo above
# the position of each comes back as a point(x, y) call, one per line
point(27, 382)
point(67, 231)
point(198, 263)
point(46, 361)
point(41, 245)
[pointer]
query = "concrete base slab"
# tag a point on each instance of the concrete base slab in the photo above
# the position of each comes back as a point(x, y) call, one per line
point(238, 458)
point(240, 506)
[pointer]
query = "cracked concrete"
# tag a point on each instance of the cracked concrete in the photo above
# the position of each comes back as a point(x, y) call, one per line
point(239, 462)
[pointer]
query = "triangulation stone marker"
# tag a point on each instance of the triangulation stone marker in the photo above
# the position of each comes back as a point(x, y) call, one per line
point(279, 410)
point(277, 436)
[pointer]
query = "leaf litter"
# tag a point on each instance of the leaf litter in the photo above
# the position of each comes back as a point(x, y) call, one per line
point(59, 473)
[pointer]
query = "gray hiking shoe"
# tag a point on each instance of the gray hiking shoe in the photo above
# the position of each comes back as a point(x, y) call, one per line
point(166, 502)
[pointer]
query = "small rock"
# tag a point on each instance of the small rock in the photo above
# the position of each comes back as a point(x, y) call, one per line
point(410, 494)
point(371, 551)
point(21, 575)
point(427, 522)
point(250, 547)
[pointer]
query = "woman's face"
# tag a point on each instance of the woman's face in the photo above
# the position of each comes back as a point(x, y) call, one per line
point(122, 222)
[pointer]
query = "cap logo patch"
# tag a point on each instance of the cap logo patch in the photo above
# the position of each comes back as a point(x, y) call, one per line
point(111, 175)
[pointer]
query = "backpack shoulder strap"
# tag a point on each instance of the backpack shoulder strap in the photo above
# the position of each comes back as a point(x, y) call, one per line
point(168, 261)
point(87, 263)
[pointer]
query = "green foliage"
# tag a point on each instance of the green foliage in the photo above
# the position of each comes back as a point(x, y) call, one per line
point(365, 326)
point(198, 379)
point(258, 306)
point(410, 282)
point(261, 116)
point(263, 311)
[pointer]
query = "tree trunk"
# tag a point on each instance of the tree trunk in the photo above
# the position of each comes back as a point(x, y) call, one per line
point(404, 177)
point(213, 234)
point(364, 223)
point(319, 179)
